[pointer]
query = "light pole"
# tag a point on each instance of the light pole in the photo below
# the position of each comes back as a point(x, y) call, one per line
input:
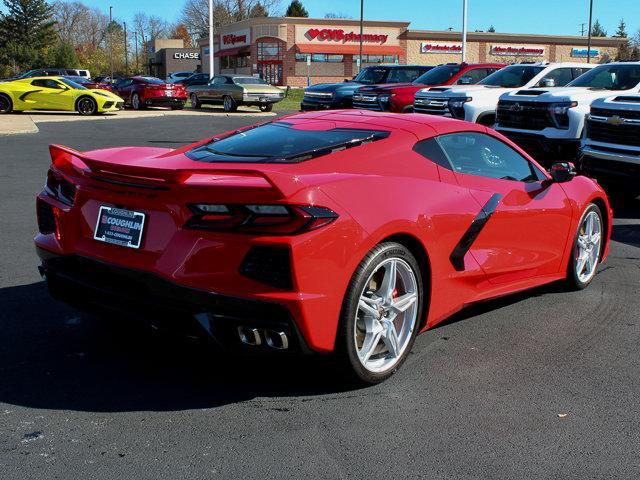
point(464, 30)
point(111, 40)
point(361, 33)
point(211, 69)
point(589, 37)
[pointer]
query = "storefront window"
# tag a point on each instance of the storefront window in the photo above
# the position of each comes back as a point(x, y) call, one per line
point(320, 57)
point(227, 62)
point(270, 51)
point(377, 58)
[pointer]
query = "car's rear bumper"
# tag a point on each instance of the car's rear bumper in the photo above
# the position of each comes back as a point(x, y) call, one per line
point(104, 288)
point(164, 101)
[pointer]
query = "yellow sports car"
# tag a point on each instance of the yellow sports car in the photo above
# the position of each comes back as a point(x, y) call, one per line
point(56, 93)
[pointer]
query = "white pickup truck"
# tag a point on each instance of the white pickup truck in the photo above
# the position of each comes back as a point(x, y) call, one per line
point(549, 123)
point(610, 150)
point(477, 103)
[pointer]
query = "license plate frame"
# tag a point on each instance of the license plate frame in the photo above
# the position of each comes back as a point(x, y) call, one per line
point(125, 230)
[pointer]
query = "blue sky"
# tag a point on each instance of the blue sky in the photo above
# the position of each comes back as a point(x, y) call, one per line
point(540, 16)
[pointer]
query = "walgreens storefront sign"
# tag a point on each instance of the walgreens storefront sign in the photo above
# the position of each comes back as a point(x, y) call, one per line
point(239, 38)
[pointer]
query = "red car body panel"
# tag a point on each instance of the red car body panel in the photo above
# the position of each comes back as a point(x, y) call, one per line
point(152, 94)
point(404, 93)
point(380, 190)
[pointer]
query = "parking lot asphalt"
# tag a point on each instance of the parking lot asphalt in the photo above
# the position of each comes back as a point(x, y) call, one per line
point(544, 384)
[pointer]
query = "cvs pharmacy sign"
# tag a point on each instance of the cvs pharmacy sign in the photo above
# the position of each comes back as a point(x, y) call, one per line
point(340, 36)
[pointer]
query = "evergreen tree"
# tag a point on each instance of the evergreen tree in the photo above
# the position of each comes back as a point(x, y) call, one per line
point(64, 56)
point(622, 29)
point(258, 10)
point(491, 29)
point(26, 32)
point(597, 30)
point(296, 9)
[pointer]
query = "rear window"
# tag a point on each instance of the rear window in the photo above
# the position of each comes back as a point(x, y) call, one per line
point(281, 142)
point(151, 80)
point(438, 75)
point(248, 81)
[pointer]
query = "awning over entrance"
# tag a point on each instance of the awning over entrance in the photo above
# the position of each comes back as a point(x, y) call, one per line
point(231, 51)
point(350, 49)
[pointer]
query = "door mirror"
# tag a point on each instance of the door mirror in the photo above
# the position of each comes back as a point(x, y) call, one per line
point(562, 172)
point(465, 81)
point(547, 82)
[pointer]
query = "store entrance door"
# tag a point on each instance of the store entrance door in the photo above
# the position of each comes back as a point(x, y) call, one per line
point(271, 72)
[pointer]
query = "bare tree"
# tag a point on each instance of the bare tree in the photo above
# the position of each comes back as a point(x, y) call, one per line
point(337, 15)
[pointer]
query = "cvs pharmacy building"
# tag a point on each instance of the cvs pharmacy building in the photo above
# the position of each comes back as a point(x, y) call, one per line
point(284, 51)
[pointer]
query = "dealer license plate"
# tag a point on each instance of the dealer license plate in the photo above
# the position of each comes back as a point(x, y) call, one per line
point(120, 227)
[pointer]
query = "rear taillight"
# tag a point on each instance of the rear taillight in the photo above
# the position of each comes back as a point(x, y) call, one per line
point(60, 188)
point(48, 218)
point(265, 219)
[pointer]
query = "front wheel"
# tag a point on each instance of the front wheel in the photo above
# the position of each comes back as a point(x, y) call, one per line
point(587, 248)
point(380, 313)
point(6, 105)
point(229, 104)
point(87, 106)
point(266, 108)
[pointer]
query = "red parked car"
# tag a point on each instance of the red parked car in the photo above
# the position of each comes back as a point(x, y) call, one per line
point(89, 83)
point(344, 231)
point(141, 92)
point(398, 97)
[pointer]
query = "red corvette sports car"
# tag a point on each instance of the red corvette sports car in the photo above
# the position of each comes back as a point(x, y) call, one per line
point(344, 232)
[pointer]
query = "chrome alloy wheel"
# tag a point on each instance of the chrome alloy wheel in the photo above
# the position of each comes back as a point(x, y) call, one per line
point(135, 101)
point(227, 103)
point(588, 246)
point(386, 316)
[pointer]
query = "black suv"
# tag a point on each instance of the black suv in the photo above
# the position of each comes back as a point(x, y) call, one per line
point(339, 95)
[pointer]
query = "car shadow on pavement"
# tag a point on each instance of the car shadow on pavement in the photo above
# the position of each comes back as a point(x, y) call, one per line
point(54, 357)
point(626, 233)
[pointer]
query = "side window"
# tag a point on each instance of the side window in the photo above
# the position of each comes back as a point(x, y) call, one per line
point(560, 77)
point(38, 83)
point(46, 83)
point(480, 154)
point(471, 77)
point(579, 71)
point(430, 149)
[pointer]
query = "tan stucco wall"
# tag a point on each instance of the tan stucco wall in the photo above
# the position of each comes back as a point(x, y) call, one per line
point(414, 57)
point(563, 53)
point(320, 69)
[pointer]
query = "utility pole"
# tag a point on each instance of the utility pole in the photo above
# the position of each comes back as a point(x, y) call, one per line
point(135, 42)
point(126, 51)
point(464, 30)
point(111, 40)
point(361, 34)
point(582, 29)
point(211, 69)
point(589, 38)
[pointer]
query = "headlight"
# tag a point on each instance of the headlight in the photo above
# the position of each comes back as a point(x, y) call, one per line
point(459, 102)
point(561, 108)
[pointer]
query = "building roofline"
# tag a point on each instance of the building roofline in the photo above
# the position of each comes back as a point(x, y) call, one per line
point(511, 37)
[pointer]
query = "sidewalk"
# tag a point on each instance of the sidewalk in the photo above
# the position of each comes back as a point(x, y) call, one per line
point(18, 123)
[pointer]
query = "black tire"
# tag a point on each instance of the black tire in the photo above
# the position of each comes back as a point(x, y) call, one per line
point(573, 281)
point(266, 108)
point(136, 104)
point(86, 106)
point(195, 102)
point(6, 105)
point(229, 104)
point(345, 352)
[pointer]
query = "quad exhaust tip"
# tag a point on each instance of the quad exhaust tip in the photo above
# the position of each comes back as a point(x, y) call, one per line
point(275, 339)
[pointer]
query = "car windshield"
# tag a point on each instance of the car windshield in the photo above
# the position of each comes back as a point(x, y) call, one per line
point(152, 80)
point(438, 75)
point(248, 81)
point(76, 79)
point(72, 84)
point(281, 142)
point(513, 76)
point(372, 75)
point(610, 77)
